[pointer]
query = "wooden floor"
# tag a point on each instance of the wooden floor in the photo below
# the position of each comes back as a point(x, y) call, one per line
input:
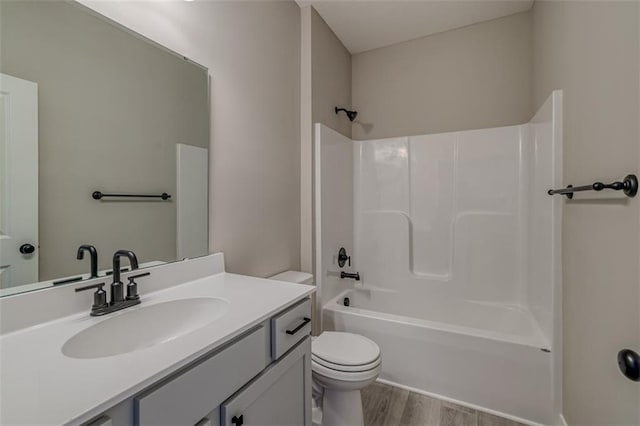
point(385, 405)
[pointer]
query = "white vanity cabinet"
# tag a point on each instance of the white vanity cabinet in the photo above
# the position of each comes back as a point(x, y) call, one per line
point(262, 377)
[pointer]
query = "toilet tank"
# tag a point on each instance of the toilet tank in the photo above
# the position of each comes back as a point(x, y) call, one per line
point(294, 277)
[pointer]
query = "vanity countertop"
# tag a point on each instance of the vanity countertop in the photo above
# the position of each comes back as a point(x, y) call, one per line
point(40, 385)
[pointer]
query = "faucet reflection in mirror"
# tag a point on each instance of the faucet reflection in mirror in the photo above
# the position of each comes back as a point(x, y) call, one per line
point(94, 258)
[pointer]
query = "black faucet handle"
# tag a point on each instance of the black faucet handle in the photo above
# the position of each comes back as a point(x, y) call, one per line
point(132, 287)
point(134, 277)
point(99, 286)
point(99, 297)
point(343, 257)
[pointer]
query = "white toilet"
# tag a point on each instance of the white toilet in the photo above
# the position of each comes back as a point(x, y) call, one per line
point(342, 364)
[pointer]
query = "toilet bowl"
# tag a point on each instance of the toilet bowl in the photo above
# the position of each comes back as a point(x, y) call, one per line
point(342, 364)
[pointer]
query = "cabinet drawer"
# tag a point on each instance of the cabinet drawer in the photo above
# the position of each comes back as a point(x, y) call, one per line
point(289, 327)
point(188, 397)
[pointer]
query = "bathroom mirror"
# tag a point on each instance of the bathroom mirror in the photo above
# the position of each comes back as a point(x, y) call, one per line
point(88, 106)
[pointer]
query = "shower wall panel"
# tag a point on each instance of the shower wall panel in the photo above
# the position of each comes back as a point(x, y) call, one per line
point(459, 216)
point(442, 211)
point(333, 208)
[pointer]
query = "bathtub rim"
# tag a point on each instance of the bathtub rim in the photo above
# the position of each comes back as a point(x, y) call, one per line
point(540, 342)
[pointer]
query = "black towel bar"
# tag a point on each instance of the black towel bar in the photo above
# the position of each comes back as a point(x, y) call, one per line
point(629, 186)
point(97, 195)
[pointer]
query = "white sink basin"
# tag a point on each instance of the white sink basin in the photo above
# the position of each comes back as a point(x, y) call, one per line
point(144, 327)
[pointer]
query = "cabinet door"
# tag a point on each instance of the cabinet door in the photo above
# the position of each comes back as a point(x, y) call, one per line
point(280, 396)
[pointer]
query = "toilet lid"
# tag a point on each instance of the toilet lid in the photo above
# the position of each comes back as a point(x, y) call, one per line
point(346, 349)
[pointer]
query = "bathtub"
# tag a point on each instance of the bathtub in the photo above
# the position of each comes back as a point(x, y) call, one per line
point(488, 356)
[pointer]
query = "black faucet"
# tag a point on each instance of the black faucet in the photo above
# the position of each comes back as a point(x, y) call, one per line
point(355, 276)
point(117, 288)
point(94, 257)
point(100, 304)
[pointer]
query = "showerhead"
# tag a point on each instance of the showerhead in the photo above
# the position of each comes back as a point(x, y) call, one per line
point(350, 114)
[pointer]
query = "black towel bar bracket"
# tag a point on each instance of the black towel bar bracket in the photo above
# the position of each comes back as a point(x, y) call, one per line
point(97, 195)
point(629, 186)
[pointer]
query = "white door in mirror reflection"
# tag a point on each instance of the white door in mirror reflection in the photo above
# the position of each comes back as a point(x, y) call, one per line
point(18, 181)
point(192, 201)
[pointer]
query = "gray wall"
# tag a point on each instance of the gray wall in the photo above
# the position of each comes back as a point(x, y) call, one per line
point(469, 78)
point(331, 76)
point(326, 83)
point(111, 109)
point(252, 50)
point(591, 51)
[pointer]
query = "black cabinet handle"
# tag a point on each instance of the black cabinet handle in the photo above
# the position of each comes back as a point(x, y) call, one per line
point(238, 421)
point(304, 322)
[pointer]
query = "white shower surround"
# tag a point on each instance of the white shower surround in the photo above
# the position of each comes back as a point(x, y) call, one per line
point(458, 246)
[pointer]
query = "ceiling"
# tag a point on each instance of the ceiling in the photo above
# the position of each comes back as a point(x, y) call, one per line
point(368, 24)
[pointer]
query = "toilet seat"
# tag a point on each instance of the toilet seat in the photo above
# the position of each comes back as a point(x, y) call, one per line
point(345, 356)
point(346, 368)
